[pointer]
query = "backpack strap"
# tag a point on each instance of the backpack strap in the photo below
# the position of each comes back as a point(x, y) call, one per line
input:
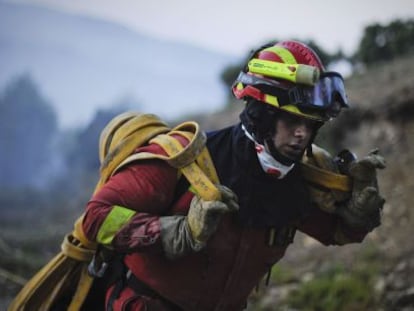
point(193, 160)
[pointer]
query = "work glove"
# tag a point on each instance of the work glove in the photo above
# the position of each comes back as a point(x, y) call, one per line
point(182, 234)
point(363, 210)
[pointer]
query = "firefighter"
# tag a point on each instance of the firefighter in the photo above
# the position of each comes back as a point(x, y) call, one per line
point(180, 252)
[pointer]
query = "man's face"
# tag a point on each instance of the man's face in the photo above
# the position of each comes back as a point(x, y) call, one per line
point(293, 135)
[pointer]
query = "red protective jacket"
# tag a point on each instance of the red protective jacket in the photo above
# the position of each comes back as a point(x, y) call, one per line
point(221, 276)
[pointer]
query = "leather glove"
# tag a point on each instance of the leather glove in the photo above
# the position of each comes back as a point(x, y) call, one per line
point(181, 234)
point(204, 216)
point(363, 210)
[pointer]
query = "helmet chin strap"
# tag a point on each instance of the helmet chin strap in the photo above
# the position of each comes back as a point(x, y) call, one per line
point(276, 154)
point(268, 162)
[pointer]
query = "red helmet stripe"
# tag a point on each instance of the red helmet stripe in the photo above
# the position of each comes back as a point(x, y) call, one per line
point(303, 53)
point(249, 90)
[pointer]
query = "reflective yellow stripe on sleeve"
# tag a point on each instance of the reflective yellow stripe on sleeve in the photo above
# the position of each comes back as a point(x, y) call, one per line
point(115, 220)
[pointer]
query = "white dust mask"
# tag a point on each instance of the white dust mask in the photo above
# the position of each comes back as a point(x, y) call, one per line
point(269, 164)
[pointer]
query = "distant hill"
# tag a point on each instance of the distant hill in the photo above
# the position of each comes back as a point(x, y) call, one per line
point(81, 63)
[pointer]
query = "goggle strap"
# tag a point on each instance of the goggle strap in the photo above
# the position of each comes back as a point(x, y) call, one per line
point(295, 96)
point(253, 80)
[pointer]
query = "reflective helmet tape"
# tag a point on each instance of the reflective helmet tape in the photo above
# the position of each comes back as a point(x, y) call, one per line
point(271, 100)
point(286, 56)
point(113, 222)
point(295, 110)
point(239, 86)
point(255, 93)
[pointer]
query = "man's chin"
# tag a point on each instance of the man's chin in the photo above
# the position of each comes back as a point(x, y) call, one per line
point(294, 155)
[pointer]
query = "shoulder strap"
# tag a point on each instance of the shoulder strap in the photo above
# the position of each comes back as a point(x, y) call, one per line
point(193, 160)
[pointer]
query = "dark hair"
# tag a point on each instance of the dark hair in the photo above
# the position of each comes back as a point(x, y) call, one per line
point(259, 119)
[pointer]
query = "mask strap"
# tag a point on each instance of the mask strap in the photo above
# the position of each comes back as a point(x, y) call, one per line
point(268, 163)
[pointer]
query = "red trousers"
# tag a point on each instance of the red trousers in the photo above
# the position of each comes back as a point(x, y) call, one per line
point(128, 300)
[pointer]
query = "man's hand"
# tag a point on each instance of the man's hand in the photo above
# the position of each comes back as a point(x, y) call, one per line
point(181, 234)
point(363, 210)
point(204, 216)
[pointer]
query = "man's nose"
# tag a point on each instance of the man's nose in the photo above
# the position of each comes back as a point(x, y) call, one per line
point(300, 130)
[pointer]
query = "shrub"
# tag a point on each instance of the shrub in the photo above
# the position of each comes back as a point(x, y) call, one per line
point(334, 290)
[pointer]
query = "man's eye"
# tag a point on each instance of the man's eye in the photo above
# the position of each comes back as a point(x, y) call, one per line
point(292, 120)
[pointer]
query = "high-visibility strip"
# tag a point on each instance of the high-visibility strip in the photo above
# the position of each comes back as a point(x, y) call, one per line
point(286, 56)
point(115, 220)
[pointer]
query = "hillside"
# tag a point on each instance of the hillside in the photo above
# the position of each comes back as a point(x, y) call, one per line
point(378, 273)
point(382, 115)
point(82, 63)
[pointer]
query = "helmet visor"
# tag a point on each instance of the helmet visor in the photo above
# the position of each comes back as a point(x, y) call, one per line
point(330, 89)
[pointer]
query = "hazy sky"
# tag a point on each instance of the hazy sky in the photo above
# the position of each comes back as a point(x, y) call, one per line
point(235, 26)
